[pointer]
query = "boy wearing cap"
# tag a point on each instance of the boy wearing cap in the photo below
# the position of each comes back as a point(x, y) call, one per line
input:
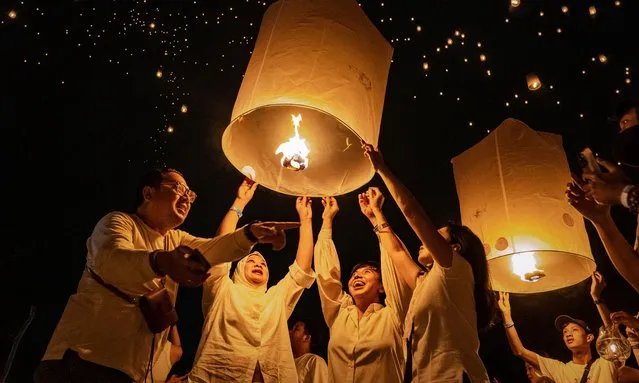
point(577, 337)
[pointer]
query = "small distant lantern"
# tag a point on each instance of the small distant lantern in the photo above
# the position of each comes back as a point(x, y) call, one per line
point(152, 25)
point(336, 85)
point(533, 81)
point(603, 59)
point(419, 28)
point(592, 10)
point(482, 57)
point(184, 108)
point(511, 193)
point(515, 3)
point(158, 74)
point(12, 14)
point(170, 129)
point(449, 41)
point(564, 9)
point(425, 66)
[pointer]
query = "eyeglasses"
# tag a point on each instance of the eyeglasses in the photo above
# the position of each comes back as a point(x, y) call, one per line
point(181, 190)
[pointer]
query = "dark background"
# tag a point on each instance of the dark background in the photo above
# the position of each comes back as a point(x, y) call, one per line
point(83, 115)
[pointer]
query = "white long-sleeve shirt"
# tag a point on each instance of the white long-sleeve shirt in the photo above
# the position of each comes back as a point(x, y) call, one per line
point(362, 350)
point(244, 325)
point(102, 327)
point(444, 323)
point(311, 368)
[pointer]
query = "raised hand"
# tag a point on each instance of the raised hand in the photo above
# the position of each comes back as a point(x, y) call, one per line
point(605, 188)
point(597, 285)
point(330, 208)
point(373, 155)
point(376, 198)
point(245, 193)
point(365, 207)
point(504, 304)
point(588, 208)
point(622, 317)
point(304, 208)
point(272, 232)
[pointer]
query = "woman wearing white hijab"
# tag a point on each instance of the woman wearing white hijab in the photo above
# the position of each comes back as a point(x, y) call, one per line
point(245, 336)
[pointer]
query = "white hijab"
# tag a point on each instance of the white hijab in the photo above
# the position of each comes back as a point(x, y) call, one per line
point(239, 277)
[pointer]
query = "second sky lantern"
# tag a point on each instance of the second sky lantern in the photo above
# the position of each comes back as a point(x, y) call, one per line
point(314, 87)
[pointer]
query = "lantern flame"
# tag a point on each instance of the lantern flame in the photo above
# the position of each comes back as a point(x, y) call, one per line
point(525, 265)
point(294, 152)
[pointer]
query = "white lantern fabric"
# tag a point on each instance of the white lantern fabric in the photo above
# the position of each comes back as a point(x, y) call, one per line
point(325, 60)
point(511, 189)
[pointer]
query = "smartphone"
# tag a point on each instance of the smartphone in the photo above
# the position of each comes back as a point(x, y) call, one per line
point(197, 256)
point(588, 162)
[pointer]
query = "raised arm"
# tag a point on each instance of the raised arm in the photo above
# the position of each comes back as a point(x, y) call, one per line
point(623, 256)
point(391, 245)
point(513, 338)
point(596, 288)
point(412, 210)
point(304, 257)
point(231, 218)
point(327, 265)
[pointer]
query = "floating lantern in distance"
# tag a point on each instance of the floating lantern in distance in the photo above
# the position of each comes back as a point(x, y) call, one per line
point(618, 3)
point(457, 33)
point(449, 41)
point(169, 129)
point(425, 66)
point(515, 3)
point(184, 108)
point(533, 81)
point(419, 28)
point(603, 59)
point(158, 74)
point(12, 14)
point(564, 9)
point(336, 83)
point(534, 240)
point(592, 10)
point(152, 25)
point(482, 57)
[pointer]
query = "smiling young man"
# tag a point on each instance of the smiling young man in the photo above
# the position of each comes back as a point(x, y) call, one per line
point(103, 335)
point(577, 338)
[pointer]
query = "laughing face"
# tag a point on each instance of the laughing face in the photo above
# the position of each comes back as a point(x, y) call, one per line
point(255, 270)
point(365, 282)
point(171, 201)
point(575, 337)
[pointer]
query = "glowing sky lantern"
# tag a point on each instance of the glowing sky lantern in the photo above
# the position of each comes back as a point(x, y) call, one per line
point(533, 81)
point(515, 3)
point(335, 84)
point(511, 193)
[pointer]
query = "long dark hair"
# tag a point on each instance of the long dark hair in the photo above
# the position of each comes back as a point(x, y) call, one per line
point(472, 250)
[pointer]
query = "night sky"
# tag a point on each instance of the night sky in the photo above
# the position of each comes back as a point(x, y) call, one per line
point(94, 93)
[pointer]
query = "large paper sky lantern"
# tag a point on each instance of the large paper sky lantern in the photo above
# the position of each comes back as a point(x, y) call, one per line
point(511, 193)
point(314, 87)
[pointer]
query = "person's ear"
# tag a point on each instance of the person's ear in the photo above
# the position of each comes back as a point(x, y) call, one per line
point(307, 338)
point(381, 289)
point(590, 338)
point(147, 193)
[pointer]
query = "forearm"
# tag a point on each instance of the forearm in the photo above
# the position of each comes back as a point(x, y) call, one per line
point(304, 257)
point(397, 253)
point(231, 218)
point(517, 346)
point(622, 255)
point(417, 218)
point(604, 312)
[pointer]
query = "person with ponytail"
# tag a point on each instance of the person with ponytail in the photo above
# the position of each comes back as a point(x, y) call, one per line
point(451, 302)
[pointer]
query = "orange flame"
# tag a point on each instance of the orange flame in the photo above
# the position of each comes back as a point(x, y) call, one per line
point(294, 152)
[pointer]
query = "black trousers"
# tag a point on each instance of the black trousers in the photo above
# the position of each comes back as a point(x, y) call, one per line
point(73, 369)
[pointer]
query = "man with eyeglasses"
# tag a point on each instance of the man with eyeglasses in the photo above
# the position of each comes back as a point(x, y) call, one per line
point(102, 336)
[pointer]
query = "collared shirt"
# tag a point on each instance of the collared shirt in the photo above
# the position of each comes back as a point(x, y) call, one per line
point(244, 327)
point(444, 323)
point(369, 349)
point(311, 368)
point(102, 327)
point(601, 371)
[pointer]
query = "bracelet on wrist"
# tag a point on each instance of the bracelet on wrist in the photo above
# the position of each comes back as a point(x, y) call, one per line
point(237, 211)
point(509, 324)
point(598, 301)
point(380, 227)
